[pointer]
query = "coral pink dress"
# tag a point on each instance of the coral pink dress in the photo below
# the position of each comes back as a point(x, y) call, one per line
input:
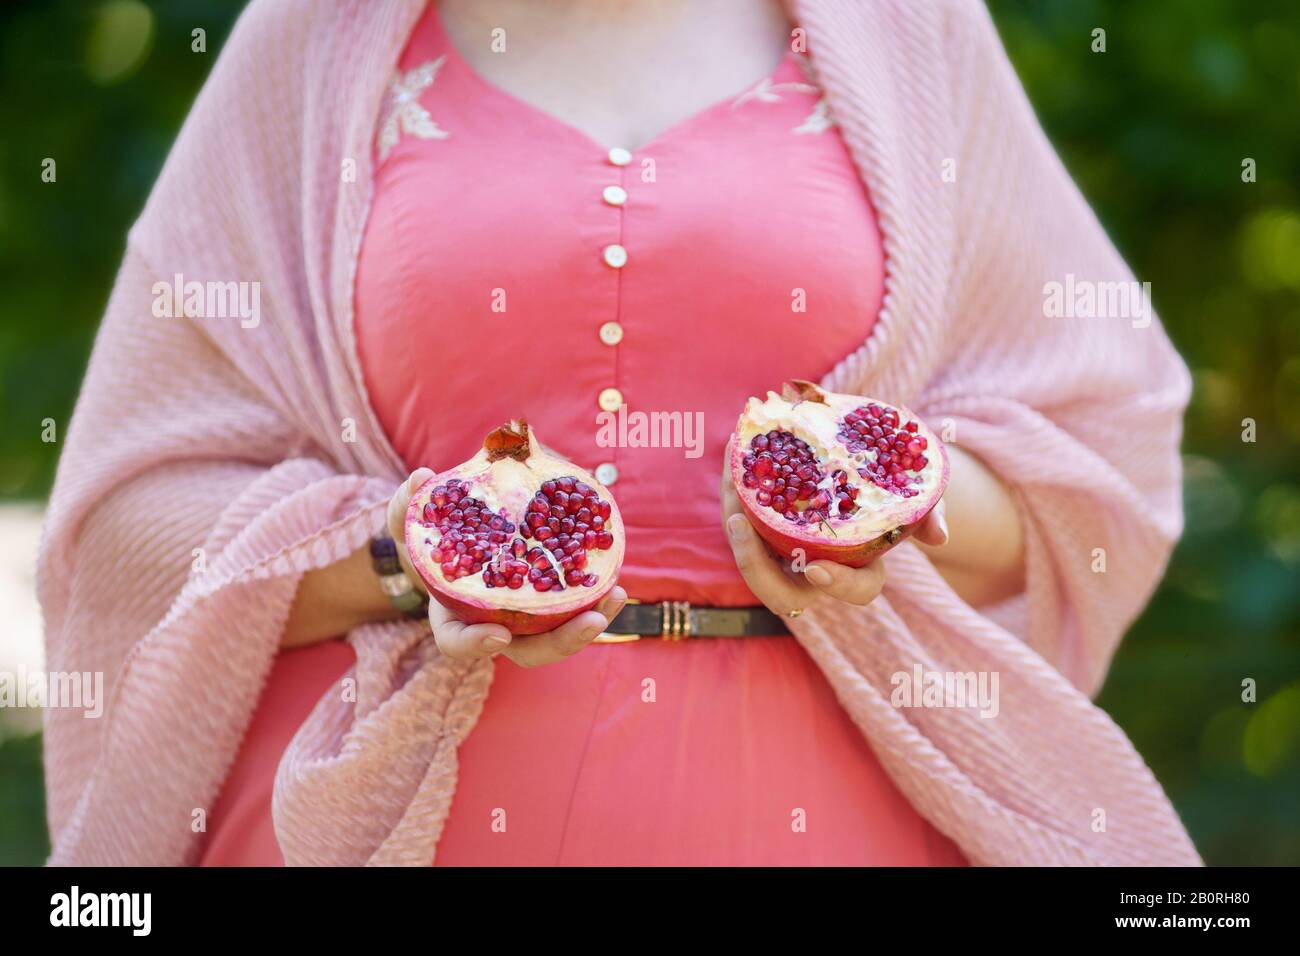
point(512, 265)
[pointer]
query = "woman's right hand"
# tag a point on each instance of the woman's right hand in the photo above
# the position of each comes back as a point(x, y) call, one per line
point(468, 642)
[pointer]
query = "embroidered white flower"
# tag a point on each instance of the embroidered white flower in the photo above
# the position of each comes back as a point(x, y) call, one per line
point(765, 91)
point(818, 121)
point(768, 92)
point(405, 114)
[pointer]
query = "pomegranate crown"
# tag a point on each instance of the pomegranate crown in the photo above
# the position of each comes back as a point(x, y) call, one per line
point(797, 390)
point(511, 440)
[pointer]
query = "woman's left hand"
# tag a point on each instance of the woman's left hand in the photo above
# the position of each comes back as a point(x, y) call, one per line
point(789, 593)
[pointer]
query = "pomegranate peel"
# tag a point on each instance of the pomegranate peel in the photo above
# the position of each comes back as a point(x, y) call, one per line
point(841, 478)
point(515, 536)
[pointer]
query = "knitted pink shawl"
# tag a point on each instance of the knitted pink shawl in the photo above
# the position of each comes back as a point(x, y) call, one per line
point(209, 465)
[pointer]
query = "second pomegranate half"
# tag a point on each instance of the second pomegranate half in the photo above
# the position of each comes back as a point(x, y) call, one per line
point(515, 536)
point(837, 477)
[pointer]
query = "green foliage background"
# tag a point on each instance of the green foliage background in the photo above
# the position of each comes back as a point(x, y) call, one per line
point(1155, 129)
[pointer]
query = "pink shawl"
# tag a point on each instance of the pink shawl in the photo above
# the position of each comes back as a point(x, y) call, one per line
point(209, 465)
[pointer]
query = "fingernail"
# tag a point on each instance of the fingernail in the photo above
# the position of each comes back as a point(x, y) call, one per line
point(943, 522)
point(736, 527)
point(495, 642)
point(817, 575)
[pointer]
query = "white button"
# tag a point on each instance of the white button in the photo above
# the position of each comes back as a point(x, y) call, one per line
point(609, 399)
point(619, 156)
point(615, 256)
point(611, 333)
point(615, 195)
point(606, 473)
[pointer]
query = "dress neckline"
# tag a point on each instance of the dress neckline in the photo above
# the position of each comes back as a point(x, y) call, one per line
point(675, 129)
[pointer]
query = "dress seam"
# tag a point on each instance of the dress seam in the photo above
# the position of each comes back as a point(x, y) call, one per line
point(582, 760)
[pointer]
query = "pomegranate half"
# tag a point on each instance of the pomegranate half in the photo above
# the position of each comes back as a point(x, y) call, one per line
point(515, 536)
point(840, 477)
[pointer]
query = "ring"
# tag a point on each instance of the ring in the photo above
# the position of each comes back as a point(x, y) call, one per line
point(793, 614)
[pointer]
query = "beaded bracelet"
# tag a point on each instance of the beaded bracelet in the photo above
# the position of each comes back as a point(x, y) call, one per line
point(396, 585)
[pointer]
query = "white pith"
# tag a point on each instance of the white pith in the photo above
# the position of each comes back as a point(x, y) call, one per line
point(521, 480)
point(818, 424)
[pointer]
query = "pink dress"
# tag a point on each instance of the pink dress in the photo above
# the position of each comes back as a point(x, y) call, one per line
point(512, 265)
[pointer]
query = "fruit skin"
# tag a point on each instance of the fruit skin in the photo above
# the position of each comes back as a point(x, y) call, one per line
point(513, 441)
point(785, 538)
point(518, 623)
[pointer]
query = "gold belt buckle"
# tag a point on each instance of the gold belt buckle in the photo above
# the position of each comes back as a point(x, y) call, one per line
point(676, 620)
point(676, 624)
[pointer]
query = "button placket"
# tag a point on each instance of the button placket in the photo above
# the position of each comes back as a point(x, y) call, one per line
point(615, 255)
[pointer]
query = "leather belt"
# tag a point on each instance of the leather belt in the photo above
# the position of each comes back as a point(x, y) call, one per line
point(678, 620)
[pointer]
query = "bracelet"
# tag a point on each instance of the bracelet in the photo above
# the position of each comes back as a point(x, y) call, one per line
point(394, 582)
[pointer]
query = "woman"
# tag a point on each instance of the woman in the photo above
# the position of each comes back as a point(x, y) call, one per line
point(386, 171)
